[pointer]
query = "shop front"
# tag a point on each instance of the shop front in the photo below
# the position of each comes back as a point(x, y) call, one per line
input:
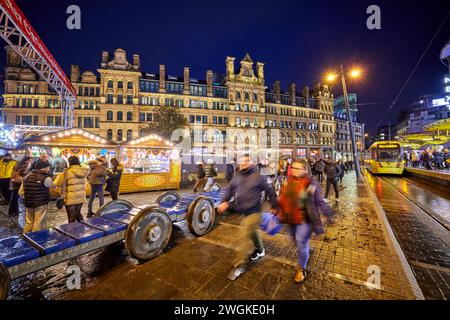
point(151, 163)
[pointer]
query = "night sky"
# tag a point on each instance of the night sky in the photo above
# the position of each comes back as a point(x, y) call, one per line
point(298, 41)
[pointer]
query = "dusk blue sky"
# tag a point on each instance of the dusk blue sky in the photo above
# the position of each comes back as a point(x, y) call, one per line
point(298, 41)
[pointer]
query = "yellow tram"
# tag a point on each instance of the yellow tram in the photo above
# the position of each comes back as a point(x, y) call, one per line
point(385, 158)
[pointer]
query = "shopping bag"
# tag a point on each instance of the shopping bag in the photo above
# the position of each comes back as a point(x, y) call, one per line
point(270, 224)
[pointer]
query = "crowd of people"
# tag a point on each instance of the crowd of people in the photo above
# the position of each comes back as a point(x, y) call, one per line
point(428, 159)
point(299, 205)
point(26, 185)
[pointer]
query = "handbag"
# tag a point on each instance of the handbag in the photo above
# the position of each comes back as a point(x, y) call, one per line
point(60, 201)
point(270, 224)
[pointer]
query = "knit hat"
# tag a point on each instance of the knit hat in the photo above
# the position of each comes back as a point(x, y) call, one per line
point(41, 165)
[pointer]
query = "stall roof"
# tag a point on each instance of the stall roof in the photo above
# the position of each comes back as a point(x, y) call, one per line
point(149, 141)
point(442, 124)
point(71, 138)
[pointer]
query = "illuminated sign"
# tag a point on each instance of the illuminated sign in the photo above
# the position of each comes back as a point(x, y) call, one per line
point(20, 21)
point(439, 102)
point(149, 180)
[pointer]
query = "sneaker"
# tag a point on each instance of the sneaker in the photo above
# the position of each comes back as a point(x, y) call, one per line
point(257, 254)
point(300, 275)
point(235, 272)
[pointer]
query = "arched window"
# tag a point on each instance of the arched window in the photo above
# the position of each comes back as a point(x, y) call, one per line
point(119, 135)
point(246, 96)
point(110, 84)
point(238, 95)
point(283, 138)
point(129, 134)
point(129, 116)
point(109, 134)
point(141, 133)
point(120, 84)
point(130, 85)
point(303, 139)
point(119, 116)
point(109, 116)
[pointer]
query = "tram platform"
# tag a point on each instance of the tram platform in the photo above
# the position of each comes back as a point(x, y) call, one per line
point(438, 176)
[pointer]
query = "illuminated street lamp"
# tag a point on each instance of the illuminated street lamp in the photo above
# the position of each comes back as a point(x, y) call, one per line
point(354, 73)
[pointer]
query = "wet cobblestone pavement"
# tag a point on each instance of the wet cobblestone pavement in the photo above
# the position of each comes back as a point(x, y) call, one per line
point(196, 267)
point(424, 241)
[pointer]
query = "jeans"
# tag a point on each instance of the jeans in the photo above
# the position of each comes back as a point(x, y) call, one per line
point(198, 183)
point(13, 209)
point(95, 189)
point(74, 212)
point(248, 238)
point(320, 176)
point(4, 187)
point(36, 219)
point(114, 195)
point(209, 184)
point(22, 212)
point(335, 186)
point(301, 234)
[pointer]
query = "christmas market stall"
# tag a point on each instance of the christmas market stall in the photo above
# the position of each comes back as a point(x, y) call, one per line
point(151, 163)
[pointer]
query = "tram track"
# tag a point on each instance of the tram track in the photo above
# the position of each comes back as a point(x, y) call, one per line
point(424, 207)
point(423, 233)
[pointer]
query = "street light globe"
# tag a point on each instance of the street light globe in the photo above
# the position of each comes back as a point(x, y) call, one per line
point(355, 73)
point(331, 77)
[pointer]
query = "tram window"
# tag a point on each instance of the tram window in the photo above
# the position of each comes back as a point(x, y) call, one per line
point(388, 154)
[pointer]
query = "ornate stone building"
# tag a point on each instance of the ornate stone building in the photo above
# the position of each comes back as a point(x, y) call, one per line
point(120, 102)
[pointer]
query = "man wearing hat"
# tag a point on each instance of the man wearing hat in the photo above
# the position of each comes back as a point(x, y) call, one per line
point(36, 193)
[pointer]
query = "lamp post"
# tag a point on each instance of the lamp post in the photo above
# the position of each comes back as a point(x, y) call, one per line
point(354, 74)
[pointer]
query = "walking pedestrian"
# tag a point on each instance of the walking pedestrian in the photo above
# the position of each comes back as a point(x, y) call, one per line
point(438, 159)
point(97, 179)
point(7, 166)
point(114, 176)
point(446, 157)
point(210, 174)
point(333, 172)
point(200, 178)
point(36, 193)
point(301, 204)
point(73, 188)
point(320, 168)
point(342, 171)
point(246, 188)
point(21, 170)
point(230, 171)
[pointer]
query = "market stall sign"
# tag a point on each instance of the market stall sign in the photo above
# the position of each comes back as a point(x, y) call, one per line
point(149, 180)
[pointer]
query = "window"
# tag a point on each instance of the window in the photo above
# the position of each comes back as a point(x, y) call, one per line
point(58, 121)
point(109, 116)
point(247, 121)
point(255, 97)
point(169, 102)
point(197, 90)
point(97, 122)
point(17, 119)
point(110, 84)
point(120, 99)
point(130, 85)
point(109, 134)
point(255, 108)
point(246, 96)
point(255, 122)
point(119, 135)
point(86, 91)
point(144, 100)
point(238, 107)
point(246, 107)
point(238, 121)
point(129, 116)
point(174, 87)
point(204, 119)
point(238, 95)
point(36, 103)
point(129, 99)
point(119, 116)
point(150, 116)
point(109, 98)
point(88, 122)
point(50, 121)
point(120, 84)
point(141, 116)
point(193, 103)
point(27, 120)
point(129, 134)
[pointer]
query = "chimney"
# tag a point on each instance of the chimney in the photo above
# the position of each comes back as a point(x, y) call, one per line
point(105, 58)
point(136, 62)
point(277, 89)
point(292, 93)
point(162, 78)
point(260, 70)
point(230, 66)
point(209, 83)
point(186, 89)
point(305, 95)
point(74, 73)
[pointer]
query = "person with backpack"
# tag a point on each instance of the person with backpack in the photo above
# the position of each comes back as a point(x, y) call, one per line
point(332, 171)
point(73, 188)
point(246, 187)
point(35, 190)
point(97, 180)
point(301, 204)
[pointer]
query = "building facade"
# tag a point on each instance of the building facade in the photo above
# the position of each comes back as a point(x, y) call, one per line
point(343, 138)
point(120, 103)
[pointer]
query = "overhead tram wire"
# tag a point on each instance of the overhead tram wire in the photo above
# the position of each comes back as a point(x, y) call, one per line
point(413, 71)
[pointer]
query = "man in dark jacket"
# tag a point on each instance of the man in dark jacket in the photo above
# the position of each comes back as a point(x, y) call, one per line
point(332, 171)
point(246, 187)
point(97, 179)
point(114, 176)
point(35, 190)
point(320, 168)
point(200, 178)
point(230, 171)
